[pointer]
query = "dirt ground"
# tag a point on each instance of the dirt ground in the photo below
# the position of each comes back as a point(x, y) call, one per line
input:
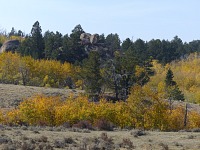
point(83, 139)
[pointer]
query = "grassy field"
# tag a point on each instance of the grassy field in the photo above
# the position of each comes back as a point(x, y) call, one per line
point(29, 137)
point(83, 139)
point(12, 95)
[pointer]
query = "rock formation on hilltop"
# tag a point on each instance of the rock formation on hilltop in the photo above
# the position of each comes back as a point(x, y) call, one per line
point(92, 42)
point(87, 38)
point(10, 45)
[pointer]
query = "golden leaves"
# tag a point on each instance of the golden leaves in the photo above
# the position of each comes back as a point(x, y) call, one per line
point(27, 71)
point(144, 109)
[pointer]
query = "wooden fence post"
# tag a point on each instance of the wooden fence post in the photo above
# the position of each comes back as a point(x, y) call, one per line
point(186, 112)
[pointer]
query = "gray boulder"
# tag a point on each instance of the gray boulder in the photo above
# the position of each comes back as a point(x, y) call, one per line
point(10, 45)
point(94, 38)
point(87, 38)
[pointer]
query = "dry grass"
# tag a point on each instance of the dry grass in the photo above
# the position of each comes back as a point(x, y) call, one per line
point(12, 95)
point(68, 138)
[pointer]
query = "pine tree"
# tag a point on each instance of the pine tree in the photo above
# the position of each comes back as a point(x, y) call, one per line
point(53, 43)
point(37, 41)
point(12, 32)
point(169, 78)
point(76, 52)
point(177, 94)
point(173, 91)
point(91, 74)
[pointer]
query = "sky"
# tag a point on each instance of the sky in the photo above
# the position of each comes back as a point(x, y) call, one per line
point(145, 19)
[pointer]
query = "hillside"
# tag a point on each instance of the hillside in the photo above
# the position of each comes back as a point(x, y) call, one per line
point(62, 137)
point(12, 95)
point(186, 73)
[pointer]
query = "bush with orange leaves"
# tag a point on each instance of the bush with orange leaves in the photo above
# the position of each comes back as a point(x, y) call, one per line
point(39, 110)
point(143, 109)
point(51, 111)
point(75, 110)
point(176, 119)
point(12, 117)
point(194, 120)
point(146, 109)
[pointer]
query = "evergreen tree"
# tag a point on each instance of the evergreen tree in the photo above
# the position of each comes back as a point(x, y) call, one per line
point(167, 52)
point(112, 75)
point(154, 49)
point(102, 39)
point(37, 41)
point(91, 74)
point(25, 48)
point(66, 54)
point(53, 44)
point(176, 93)
point(48, 40)
point(57, 52)
point(20, 33)
point(12, 32)
point(177, 47)
point(76, 50)
point(140, 51)
point(112, 43)
point(173, 91)
point(126, 44)
point(169, 78)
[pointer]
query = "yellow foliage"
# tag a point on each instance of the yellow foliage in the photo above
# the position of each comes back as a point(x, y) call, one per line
point(39, 110)
point(16, 69)
point(10, 117)
point(3, 39)
point(157, 67)
point(161, 90)
point(176, 119)
point(194, 120)
point(79, 84)
point(143, 109)
point(138, 71)
point(147, 109)
point(13, 117)
point(186, 74)
point(72, 111)
point(16, 38)
point(9, 63)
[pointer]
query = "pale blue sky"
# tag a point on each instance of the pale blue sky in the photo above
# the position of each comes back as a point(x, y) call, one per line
point(145, 19)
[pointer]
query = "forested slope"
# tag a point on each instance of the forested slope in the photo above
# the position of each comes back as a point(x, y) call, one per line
point(109, 64)
point(186, 74)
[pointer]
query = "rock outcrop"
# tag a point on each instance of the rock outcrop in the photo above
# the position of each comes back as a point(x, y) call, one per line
point(10, 45)
point(91, 42)
point(94, 38)
point(87, 38)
